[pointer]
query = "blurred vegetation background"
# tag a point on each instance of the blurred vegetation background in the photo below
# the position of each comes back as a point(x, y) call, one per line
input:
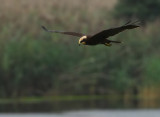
point(36, 63)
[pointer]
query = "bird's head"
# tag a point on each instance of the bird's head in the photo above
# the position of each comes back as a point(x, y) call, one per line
point(82, 40)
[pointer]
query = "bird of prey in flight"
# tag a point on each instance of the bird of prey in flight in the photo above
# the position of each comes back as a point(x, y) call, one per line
point(99, 38)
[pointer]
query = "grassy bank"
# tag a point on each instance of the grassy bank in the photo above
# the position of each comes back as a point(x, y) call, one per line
point(32, 100)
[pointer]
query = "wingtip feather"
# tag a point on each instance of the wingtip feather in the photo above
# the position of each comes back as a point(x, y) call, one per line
point(133, 24)
point(44, 28)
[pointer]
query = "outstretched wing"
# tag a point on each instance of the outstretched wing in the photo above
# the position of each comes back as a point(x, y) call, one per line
point(113, 31)
point(62, 32)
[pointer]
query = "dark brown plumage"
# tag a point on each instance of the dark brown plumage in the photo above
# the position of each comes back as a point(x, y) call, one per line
point(99, 38)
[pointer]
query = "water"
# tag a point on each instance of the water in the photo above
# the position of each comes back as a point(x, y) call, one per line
point(94, 113)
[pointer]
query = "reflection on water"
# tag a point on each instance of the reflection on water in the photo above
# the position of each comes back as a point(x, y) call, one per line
point(94, 113)
point(63, 106)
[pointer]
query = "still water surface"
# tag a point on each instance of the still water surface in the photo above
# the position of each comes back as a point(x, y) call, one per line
point(94, 113)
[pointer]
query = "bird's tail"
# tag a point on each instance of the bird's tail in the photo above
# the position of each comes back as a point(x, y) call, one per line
point(115, 41)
